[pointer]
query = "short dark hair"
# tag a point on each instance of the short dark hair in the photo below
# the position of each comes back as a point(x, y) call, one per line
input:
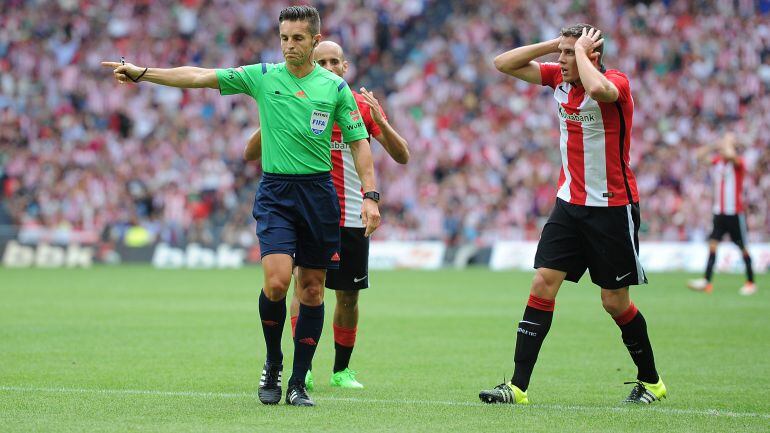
point(302, 13)
point(576, 30)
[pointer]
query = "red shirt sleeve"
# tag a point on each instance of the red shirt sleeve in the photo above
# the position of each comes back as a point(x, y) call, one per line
point(620, 81)
point(366, 115)
point(550, 74)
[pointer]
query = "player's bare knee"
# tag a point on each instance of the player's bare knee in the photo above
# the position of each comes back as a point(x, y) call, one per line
point(542, 287)
point(347, 300)
point(312, 295)
point(275, 293)
point(277, 285)
point(615, 302)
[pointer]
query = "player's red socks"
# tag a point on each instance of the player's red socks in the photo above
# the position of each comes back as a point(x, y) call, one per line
point(310, 322)
point(532, 330)
point(344, 340)
point(293, 326)
point(633, 330)
point(627, 315)
point(273, 316)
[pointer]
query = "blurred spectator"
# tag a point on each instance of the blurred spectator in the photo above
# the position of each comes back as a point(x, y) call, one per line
point(81, 157)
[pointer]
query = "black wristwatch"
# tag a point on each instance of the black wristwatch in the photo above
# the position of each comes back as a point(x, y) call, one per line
point(372, 195)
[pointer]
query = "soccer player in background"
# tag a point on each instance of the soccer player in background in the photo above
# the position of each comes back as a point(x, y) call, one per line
point(595, 222)
point(296, 207)
point(728, 171)
point(353, 273)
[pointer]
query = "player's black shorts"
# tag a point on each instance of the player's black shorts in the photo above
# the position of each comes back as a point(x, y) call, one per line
point(299, 215)
point(353, 273)
point(735, 225)
point(604, 240)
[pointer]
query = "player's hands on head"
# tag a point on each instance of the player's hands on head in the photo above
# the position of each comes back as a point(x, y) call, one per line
point(120, 71)
point(589, 41)
point(555, 44)
point(374, 104)
point(727, 145)
point(370, 216)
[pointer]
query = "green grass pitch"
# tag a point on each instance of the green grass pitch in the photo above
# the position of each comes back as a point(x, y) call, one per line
point(132, 349)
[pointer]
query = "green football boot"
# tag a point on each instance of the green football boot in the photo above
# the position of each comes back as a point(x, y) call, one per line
point(504, 393)
point(345, 379)
point(309, 380)
point(646, 393)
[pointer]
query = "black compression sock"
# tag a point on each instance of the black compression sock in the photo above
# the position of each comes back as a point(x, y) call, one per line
point(531, 332)
point(273, 316)
point(309, 326)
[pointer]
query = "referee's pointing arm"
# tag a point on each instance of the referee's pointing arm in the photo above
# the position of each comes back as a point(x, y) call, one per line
point(188, 77)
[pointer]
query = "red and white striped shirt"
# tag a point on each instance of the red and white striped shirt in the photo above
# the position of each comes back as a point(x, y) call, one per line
point(728, 185)
point(344, 174)
point(595, 141)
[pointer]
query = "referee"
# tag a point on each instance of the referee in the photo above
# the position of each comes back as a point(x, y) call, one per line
point(296, 207)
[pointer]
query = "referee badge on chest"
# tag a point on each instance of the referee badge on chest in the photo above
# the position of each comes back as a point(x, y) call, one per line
point(318, 121)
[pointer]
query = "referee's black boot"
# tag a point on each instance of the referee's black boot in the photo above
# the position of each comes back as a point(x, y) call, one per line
point(270, 384)
point(296, 395)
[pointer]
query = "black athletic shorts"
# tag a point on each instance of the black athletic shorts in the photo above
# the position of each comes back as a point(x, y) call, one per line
point(735, 225)
point(604, 240)
point(353, 273)
point(299, 215)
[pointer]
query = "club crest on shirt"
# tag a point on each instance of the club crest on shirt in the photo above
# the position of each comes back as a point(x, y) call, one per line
point(318, 121)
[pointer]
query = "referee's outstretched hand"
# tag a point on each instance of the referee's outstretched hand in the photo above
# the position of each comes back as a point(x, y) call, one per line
point(370, 216)
point(120, 71)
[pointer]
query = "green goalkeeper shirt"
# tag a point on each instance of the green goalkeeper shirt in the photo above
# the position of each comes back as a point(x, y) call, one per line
point(296, 114)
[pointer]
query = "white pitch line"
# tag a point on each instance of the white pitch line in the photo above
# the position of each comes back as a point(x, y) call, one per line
point(199, 394)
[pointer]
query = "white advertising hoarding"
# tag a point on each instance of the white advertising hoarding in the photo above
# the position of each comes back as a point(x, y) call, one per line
point(655, 256)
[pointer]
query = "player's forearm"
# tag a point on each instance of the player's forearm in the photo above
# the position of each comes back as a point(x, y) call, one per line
point(703, 152)
point(188, 77)
point(394, 143)
point(596, 85)
point(517, 58)
point(253, 150)
point(362, 157)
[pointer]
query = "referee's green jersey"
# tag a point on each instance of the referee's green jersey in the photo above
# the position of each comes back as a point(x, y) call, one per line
point(296, 114)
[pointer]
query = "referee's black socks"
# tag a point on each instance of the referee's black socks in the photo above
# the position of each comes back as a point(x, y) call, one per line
point(310, 322)
point(273, 316)
point(633, 330)
point(531, 332)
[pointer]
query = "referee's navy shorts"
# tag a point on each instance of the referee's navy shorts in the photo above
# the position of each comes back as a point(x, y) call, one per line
point(299, 215)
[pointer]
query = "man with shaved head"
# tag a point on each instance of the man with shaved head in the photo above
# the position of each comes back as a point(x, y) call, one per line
point(353, 273)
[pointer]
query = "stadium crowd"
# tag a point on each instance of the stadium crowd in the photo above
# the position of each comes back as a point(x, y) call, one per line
point(81, 156)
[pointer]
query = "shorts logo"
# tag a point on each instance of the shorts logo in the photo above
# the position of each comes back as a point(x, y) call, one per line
point(622, 276)
point(318, 121)
point(336, 257)
point(358, 280)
